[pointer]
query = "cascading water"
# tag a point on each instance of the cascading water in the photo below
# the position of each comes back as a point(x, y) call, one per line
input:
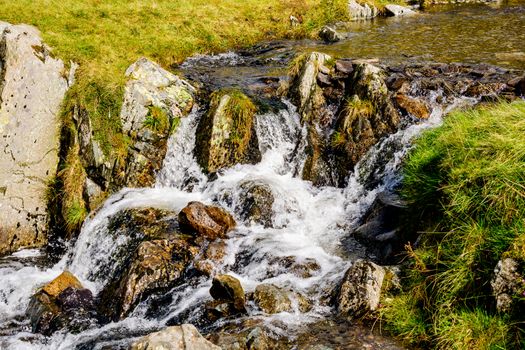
point(308, 226)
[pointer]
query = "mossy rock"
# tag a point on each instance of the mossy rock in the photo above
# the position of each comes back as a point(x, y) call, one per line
point(226, 134)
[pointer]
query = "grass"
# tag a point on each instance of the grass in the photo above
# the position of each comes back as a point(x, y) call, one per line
point(465, 182)
point(105, 37)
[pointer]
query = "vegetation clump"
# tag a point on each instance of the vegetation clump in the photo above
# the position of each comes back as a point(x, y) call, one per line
point(465, 182)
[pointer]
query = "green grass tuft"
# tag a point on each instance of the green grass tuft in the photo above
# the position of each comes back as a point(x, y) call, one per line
point(465, 185)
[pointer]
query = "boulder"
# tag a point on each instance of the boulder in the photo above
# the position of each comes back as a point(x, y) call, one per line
point(213, 256)
point(518, 83)
point(154, 101)
point(360, 290)
point(250, 338)
point(272, 299)
point(184, 337)
point(413, 106)
point(205, 220)
point(62, 303)
point(356, 11)
point(507, 284)
point(367, 116)
point(155, 266)
point(398, 10)
point(228, 289)
point(330, 34)
point(226, 134)
point(380, 230)
point(32, 88)
point(256, 201)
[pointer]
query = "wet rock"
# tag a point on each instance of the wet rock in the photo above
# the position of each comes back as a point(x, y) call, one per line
point(33, 87)
point(62, 303)
point(154, 101)
point(228, 289)
point(272, 299)
point(155, 266)
point(304, 91)
point(479, 89)
point(360, 290)
point(398, 10)
point(184, 337)
point(367, 116)
point(256, 203)
point(507, 284)
point(213, 256)
point(356, 11)
point(381, 231)
point(226, 134)
point(206, 221)
point(518, 84)
point(253, 338)
point(413, 106)
point(330, 35)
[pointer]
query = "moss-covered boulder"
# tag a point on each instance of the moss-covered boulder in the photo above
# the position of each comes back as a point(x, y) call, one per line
point(154, 102)
point(226, 133)
point(272, 299)
point(367, 115)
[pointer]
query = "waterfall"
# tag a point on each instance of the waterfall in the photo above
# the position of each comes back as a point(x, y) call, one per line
point(308, 226)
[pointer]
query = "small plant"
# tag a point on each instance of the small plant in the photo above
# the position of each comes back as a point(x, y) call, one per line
point(339, 139)
point(157, 120)
point(76, 213)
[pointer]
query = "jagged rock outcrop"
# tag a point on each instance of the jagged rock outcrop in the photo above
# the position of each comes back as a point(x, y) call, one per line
point(226, 133)
point(357, 11)
point(32, 87)
point(154, 101)
point(155, 257)
point(62, 303)
point(184, 337)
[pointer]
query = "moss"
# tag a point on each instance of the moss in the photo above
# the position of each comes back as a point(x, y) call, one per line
point(465, 184)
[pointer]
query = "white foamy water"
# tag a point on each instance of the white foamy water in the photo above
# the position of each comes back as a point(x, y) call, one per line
point(308, 226)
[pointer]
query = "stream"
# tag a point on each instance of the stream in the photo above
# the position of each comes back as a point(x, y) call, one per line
point(310, 224)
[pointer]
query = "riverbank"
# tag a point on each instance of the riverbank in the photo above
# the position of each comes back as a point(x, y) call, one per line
point(463, 287)
point(105, 38)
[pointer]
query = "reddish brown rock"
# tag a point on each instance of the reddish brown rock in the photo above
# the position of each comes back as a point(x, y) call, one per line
point(413, 106)
point(207, 221)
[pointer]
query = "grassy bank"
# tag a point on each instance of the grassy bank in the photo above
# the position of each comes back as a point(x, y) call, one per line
point(105, 37)
point(466, 185)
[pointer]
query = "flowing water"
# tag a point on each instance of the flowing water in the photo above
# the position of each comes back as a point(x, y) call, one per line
point(309, 225)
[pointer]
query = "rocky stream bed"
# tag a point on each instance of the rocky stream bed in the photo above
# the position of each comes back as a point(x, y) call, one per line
point(257, 200)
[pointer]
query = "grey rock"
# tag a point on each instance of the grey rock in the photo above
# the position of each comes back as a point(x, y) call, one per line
point(360, 290)
point(150, 87)
point(32, 87)
point(184, 337)
point(506, 284)
point(330, 35)
point(398, 10)
point(357, 11)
